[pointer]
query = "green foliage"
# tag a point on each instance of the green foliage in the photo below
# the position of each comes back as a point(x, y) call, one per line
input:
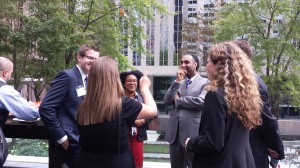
point(148, 148)
point(42, 37)
point(28, 147)
point(276, 55)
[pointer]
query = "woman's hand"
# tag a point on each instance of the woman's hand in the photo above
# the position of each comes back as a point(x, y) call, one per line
point(145, 82)
point(139, 122)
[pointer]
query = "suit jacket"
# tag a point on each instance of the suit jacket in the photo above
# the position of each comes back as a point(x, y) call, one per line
point(186, 110)
point(60, 104)
point(223, 140)
point(267, 135)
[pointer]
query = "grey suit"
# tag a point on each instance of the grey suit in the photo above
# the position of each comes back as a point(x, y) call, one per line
point(185, 118)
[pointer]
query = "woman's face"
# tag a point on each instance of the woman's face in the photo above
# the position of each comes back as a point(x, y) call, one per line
point(131, 83)
point(210, 68)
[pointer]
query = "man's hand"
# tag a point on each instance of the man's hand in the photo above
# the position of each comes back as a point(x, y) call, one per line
point(176, 96)
point(187, 141)
point(65, 144)
point(273, 153)
point(180, 75)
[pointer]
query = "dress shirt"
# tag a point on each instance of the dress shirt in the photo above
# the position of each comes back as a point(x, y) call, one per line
point(12, 101)
point(83, 75)
point(193, 78)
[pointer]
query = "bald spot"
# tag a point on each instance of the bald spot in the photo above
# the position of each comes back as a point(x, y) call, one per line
point(5, 64)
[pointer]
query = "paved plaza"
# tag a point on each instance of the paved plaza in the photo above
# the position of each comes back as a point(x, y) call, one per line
point(292, 157)
point(42, 162)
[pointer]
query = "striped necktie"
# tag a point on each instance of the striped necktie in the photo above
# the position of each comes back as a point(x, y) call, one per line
point(188, 82)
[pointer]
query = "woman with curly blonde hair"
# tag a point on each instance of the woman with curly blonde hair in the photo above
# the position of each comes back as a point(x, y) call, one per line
point(231, 108)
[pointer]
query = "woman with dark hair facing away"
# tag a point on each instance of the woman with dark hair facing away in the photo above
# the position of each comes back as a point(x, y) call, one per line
point(231, 108)
point(104, 115)
point(137, 130)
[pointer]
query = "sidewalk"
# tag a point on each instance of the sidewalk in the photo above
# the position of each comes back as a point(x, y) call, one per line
point(156, 165)
point(42, 162)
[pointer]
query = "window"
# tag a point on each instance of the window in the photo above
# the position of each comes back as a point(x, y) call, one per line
point(209, 5)
point(192, 2)
point(161, 84)
point(192, 15)
point(191, 9)
point(209, 14)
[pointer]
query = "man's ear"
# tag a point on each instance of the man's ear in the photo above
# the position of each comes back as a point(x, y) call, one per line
point(78, 56)
point(4, 73)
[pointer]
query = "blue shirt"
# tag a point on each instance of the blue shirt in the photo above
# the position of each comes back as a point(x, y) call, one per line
point(12, 101)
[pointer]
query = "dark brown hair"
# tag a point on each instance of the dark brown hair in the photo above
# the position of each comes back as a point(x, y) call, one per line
point(245, 46)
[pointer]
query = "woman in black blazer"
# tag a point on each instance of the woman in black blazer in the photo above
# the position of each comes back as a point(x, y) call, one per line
point(137, 130)
point(231, 108)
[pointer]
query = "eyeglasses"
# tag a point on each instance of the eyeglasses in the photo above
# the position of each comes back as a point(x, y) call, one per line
point(90, 57)
point(131, 81)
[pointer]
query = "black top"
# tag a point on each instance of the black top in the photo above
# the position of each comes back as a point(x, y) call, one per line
point(223, 140)
point(99, 142)
point(142, 130)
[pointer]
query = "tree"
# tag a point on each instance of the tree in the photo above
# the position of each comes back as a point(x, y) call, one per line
point(272, 26)
point(197, 36)
point(198, 32)
point(42, 37)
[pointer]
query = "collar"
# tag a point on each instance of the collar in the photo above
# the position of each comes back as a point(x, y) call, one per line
point(83, 75)
point(2, 80)
point(193, 78)
point(135, 95)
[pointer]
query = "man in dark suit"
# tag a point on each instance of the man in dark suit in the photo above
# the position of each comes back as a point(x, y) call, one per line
point(60, 104)
point(187, 95)
point(265, 140)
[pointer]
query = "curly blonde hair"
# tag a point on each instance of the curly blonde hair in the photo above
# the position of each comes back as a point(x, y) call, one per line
point(235, 73)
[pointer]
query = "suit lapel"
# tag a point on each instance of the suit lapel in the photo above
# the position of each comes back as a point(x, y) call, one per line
point(78, 77)
point(194, 83)
point(182, 90)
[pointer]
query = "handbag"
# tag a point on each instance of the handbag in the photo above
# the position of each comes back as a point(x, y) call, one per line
point(3, 148)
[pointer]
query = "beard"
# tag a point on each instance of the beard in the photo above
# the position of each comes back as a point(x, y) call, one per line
point(189, 72)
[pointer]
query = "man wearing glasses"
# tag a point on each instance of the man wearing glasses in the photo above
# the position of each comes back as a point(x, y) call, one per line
point(60, 104)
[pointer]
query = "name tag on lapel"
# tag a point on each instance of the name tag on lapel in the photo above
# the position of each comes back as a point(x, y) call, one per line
point(80, 90)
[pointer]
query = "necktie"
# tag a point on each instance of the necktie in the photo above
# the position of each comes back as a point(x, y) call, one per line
point(188, 82)
point(86, 81)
